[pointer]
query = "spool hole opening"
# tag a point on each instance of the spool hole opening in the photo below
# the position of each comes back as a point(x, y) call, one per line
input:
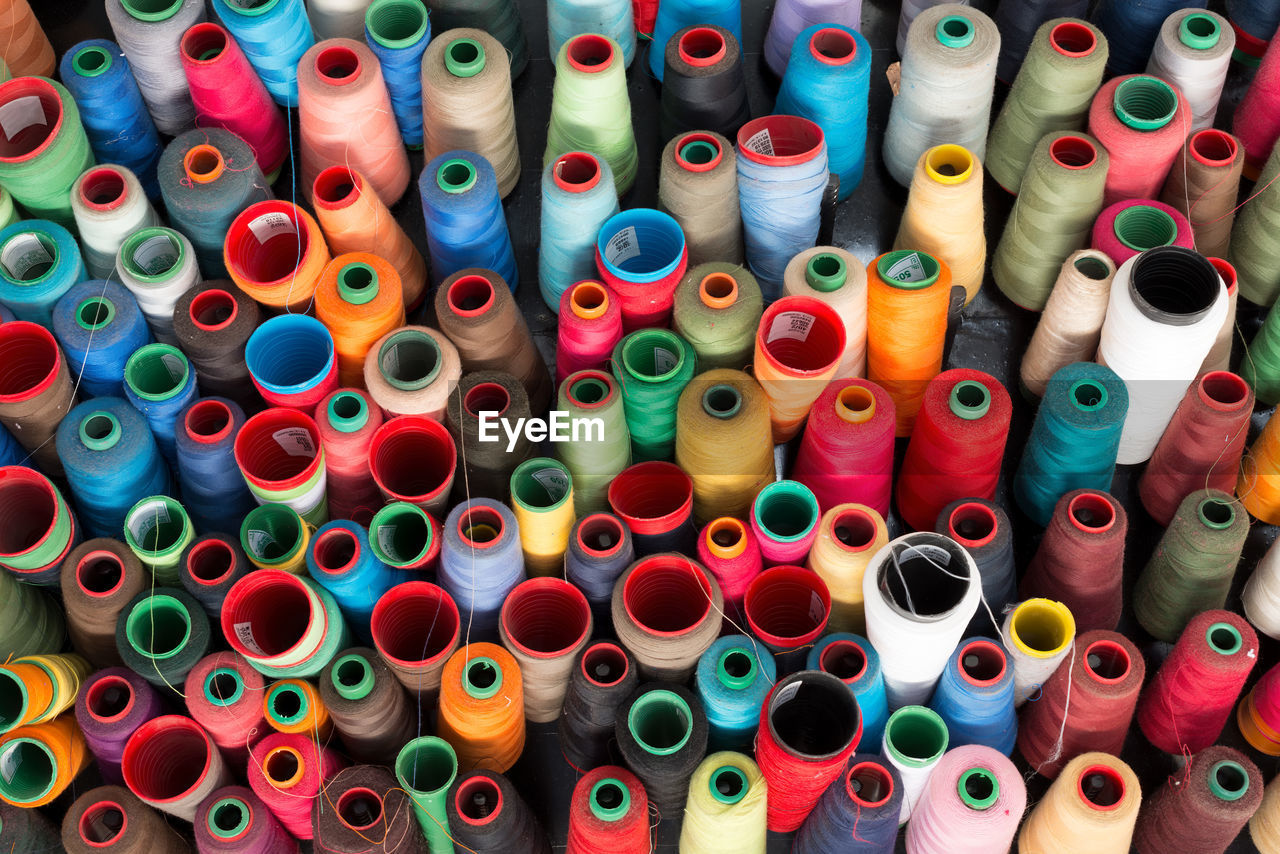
point(229, 817)
point(486, 397)
point(287, 703)
point(1073, 39)
point(204, 162)
point(854, 529)
point(728, 784)
point(103, 189)
point(869, 784)
point(1224, 388)
point(1214, 147)
point(1040, 626)
point(429, 766)
point(470, 295)
point(577, 169)
point(158, 627)
point(719, 287)
point(1224, 638)
point(225, 686)
point(482, 675)
point(337, 64)
point(335, 185)
point(204, 42)
point(701, 46)
point(590, 52)
point(609, 795)
point(1092, 268)
point(727, 532)
point(418, 627)
point(108, 698)
point(982, 663)
point(661, 722)
point(46, 112)
point(479, 800)
point(397, 21)
point(813, 717)
point(546, 619)
point(973, 524)
point(834, 44)
point(1092, 512)
point(786, 514)
point(1231, 779)
point(589, 390)
point(283, 765)
point(604, 664)
point(1073, 152)
point(100, 573)
point(352, 673)
point(857, 400)
point(347, 406)
point(95, 312)
point(1217, 513)
point(1147, 101)
point(210, 561)
point(360, 808)
point(336, 550)
point(1101, 787)
point(401, 531)
point(1107, 660)
point(28, 256)
point(410, 358)
point(213, 310)
point(600, 534)
point(590, 297)
point(925, 579)
point(480, 526)
point(722, 401)
point(102, 824)
point(27, 515)
point(700, 152)
point(99, 426)
point(91, 61)
point(1088, 395)
point(844, 659)
point(208, 420)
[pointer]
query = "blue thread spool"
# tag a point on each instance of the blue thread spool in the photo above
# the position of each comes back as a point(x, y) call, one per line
point(39, 262)
point(213, 490)
point(464, 220)
point(101, 318)
point(398, 32)
point(274, 34)
point(292, 361)
point(577, 198)
point(975, 696)
point(733, 678)
point(341, 560)
point(159, 382)
point(854, 661)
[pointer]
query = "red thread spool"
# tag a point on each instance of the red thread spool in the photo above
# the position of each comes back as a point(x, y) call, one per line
point(287, 771)
point(1087, 704)
point(1186, 705)
point(33, 517)
point(1202, 446)
point(655, 499)
point(279, 450)
point(1259, 714)
point(590, 324)
point(728, 548)
point(1130, 227)
point(415, 628)
point(171, 763)
point(809, 725)
point(956, 446)
point(414, 459)
point(645, 284)
point(787, 607)
point(276, 609)
point(1257, 119)
point(347, 419)
point(846, 454)
point(224, 695)
point(227, 93)
point(609, 812)
point(1142, 122)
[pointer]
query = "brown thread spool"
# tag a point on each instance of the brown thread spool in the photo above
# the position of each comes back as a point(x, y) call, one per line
point(363, 810)
point(411, 371)
point(1071, 324)
point(698, 186)
point(545, 623)
point(667, 611)
point(1202, 807)
point(1091, 807)
point(111, 818)
point(99, 578)
point(26, 47)
point(369, 707)
point(35, 390)
point(1203, 185)
point(476, 310)
point(488, 465)
point(213, 322)
point(724, 442)
point(415, 627)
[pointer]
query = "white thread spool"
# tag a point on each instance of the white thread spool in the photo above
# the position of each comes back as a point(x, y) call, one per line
point(919, 591)
point(1261, 595)
point(1193, 52)
point(108, 204)
point(915, 738)
point(911, 10)
point(1038, 634)
point(1166, 307)
point(158, 266)
point(337, 19)
point(948, 78)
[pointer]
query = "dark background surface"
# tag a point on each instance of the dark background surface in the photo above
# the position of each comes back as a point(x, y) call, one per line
point(990, 336)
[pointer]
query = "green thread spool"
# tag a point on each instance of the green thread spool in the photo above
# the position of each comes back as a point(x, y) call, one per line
point(1060, 198)
point(1052, 92)
point(39, 165)
point(590, 108)
point(30, 623)
point(597, 457)
point(1260, 366)
point(158, 530)
point(652, 367)
point(717, 309)
point(426, 768)
point(1193, 565)
point(1255, 241)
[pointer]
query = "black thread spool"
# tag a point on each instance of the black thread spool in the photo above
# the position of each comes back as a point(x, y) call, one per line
point(703, 86)
point(604, 676)
point(662, 733)
point(487, 814)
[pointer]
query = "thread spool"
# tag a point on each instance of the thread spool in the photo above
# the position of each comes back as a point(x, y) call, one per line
point(609, 808)
point(1134, 32)
point(103, 317)
point(274, 38)
point(667, 611)
point(34, 624)
point(1251, 240)
point(1141, 121)
point(413, 438)
point(846, 453)
point(275, 253)
point(577, 199)
point(490, 459)
point(589, 325)
point(293, 361)
point(595, 456)
point(834, 276)
point(234, 816)
point(915, 739)
point(1079, 559)
point(111, 462)
point(600, 548)
point(405, 536)
point(732, 679)
point(108, 204)
point(347, 420)
point(1254, 121)
point(662, 24)
point(112, 817)
point(39, 263)
point(854, 661)
point(1203, 185)
point(171, 764)
point(36, 689)
point(299, 646)
point(545, 623)
point(370, 711)
point(426, 768)
point(590, 107)
point(415, 628)
point(212, 322)
point(698, 186)
point(1070, 326)
point(354, 219)
point(950, 52)
point(944, 214)
point(294, 705)
point(217, 497)
point(39, 528)
point(467, 100)
point(209, 566)
point(612, 19)
point(799, 762)
point(662, 734)
point(730, 469)
point(158, 266)
point(410, 371)
point(1256, 715)
point(278, 452)
point(97, 579)
point(641, 255)
point(480, 317)
point(956, 445)
point(1262, 824)
point(730, 551)
point(149, 34)
point(114, 116)
point(465, 224)
point(224, 695)
point(726, 806)
point(799, 344)
point(1258, 593)
point(274, 536)
point(603, 677)
point(1127, 228)
point(481, 711)
point(848, 537)
point(1086, 705)
point(1192, 51)
point(362, 803)
point(1054, 86)
point(1210, 663)
point(779, 158)
point(1040, 634)
point(983, 528)
point(27, 49)
point(227, 93)
point(926, 587)
point(542, 500)
point(486, 813)
point(784, 518)
point(46, 759)
point(787, 608)
point(704, 88)
point(974, 697)
point(398, 33)
point(1095, 798)
point(1206, 809)
point(359, 299)
point(161, 635)
point(975, 792)
point(289, 772)
point(862, 805)
point(1181, 330)
point(47, 151)
point(652, 367)
point(341, 560)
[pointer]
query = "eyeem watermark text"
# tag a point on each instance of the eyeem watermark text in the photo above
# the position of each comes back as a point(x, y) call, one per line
point(560, 427)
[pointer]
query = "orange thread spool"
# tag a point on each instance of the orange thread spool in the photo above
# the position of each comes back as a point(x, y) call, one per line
point(908, 295)
point(482, 707)
point(359, 299)
point(1259, 483)
point(354, 219)
point(44, 759)
point(276, 254)
point(799, 345)
point(294, 706)
point(27, 51)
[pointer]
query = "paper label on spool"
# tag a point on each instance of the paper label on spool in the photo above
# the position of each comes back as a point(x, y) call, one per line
point(387, 542)
point(146, 521)
point(553, 480)
point(664, 360)
point(259, 541)
point(269, 225)
point(156, 255)
point(20, 114)
point(173, 364)
point(791, 324)
point(295, 441)
point(244, 631)
point(786, 694)
point(761, 143)
point(9, 764)
point(23, 253)
point(908, 269)
point(622, 246)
